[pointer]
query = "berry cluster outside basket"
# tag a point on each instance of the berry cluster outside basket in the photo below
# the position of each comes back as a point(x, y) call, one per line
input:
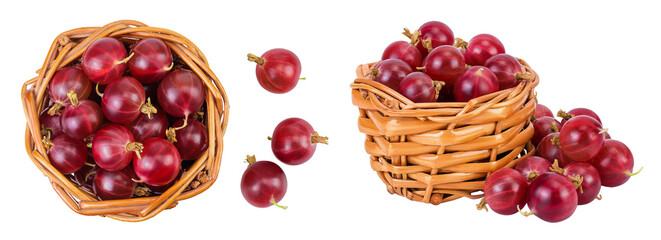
point(439, 152)
point(66, 49)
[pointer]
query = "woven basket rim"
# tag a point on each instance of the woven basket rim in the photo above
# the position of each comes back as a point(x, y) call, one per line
point(69, 46)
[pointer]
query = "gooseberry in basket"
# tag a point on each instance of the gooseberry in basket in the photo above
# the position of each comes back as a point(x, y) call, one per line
point(577, 112)
point(542, 111)
point(158, 163)
point(113, 147)
point(551, 197)
point(50, 124)
point(263, 183)
point(507, 69)
point(481, 48)
point(420, 88)
point(475, 82)
point(111, 185)
point(549, 148)
point(391, 72)
point(84, 177)
point(405, 51)
point(505, 191)
point(590, 180)
point(533, 166)
point(81, 119)
point(66, 154)
point(181, 93)
point(294, 141)
point(161, 189)
point(147, 126)
point(614, 163)
point(543, 127)
point(278, 70)
point(124, 100)
point(104, 60)
point(191, 141)
point(581, 138)
point(151, 61)
point(432, 35)
point(445, 63)
point(67, 82)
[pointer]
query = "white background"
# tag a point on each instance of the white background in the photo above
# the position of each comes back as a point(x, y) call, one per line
point(597, 55)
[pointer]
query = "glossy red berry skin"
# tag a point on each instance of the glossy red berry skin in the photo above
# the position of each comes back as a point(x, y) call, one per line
point(403, 51)
point(82, 120)
point(391, 72)
point(504, 190)
point(552, 197)
point(103, 62)
point(51, 123)
point(445, 63)
point(149, 126)
point(192, 140)
point(614, 163)
point(263, 181)
point(112, 185)
point(181, 93)
point(481, 48)
point(292, 141)
point(533, 166)
point(69, 79)
point(151, 60)
point(437, 32)
point(543, 127)
point(591, 184)
point(505, 67)
point(109, 147)
point(547, 149)
point(418, 87)
point(543, 111)
point(280, 71)
point(581, 138)
point(122, 100)
point(159, 162)
point(67, 155)
point(475, 82)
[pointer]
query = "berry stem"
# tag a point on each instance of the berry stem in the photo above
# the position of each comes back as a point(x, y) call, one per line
point(135, 147)
point(276, 204)
point(148, 108)
point(556, 167)
point(256, 59)
point(47, 142)
point(603, 131)
point(437, 88)
point(125, 60)
point(168, 68)
point(301, 79)
point(564, 115)
point(55, 109)
point(460, 43)
point(315, 138)
point(97, 91)
point(525, 214)
point(427, 44)
point(555, 140)
point(554, 127)
point(73, 97)
point(482, 205)
point(633, 174)
point(532, 175)
point(414, 37)
point(251, 159)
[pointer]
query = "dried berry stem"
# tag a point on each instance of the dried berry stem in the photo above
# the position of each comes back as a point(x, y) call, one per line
point(148, 108)
point(56, 109)
point(135, 147)
point(251, 159)
point(315, 138)
point(482, 205)
point(73, 97)
point(256, 59)
point(414, 37)
point(460, 43)
point(564, 114)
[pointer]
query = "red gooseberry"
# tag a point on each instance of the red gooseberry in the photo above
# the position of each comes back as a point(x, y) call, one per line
point(543, 127)
point(391, 72)
point(68, 81)
point(432, 35)
point(151, 61)
point(577, 112)
point(549, 148)
point(191, 141)
point(507, 69)
point(278, 70)
point(505, 191)
point(294, 141)
point(614, 163)
point(419, 87)
point(81, 119)
point(481, 48)
point(113, 147)
point(66, 154)
point(475, 82)
point(124, 100)
point(263, 183)
point(581, 138)
point(542, 111)
point(104, 60)
point(533, 166)
point(551, 197)
point(445, 63)
point(158, 163)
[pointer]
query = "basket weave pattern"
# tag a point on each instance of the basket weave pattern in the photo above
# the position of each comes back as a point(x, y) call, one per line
point(439, 152)
point(67, 49)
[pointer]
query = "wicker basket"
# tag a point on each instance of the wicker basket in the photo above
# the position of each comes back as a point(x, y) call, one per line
point(439, 152)
point(68, 48)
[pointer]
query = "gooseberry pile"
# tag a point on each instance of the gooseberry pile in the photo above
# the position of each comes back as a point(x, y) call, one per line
point(575, 157)
point(124, 119)
point(437, 67)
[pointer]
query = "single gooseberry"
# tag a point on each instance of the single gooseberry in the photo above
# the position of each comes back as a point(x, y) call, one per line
point(419, 87)
point(481, 48)
point(181, 93)
point(278, 70)
point(543, 127)
point(294, 141)
point(81, 119)
point(151, 61)
point(147, 126)
point(50, 124)
point(549, 148)
point(65, 82)
point(475, 82)
point(405, 51)
point(577, 112)
point(432, 35)
point(533, 166)
point(113, 147)
point(84, 177)
point(191, 141)
point(105, 60)
point(390, 72)
point(445, 63)
point(507, 69)
point(111, 185)
point(552, 197)
point(263, 183)
point(591, 181)
point(66, 154)
point(158, 163)
point(542, 111)
point(581, 138)
point(614, 163)
point(124, 100)
point(505, 191)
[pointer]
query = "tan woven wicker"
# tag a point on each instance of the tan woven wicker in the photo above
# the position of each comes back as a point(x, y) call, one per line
point(68, 48)
point(439, 152)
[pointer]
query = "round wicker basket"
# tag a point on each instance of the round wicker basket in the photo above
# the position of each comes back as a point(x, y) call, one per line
point(67, 49)
point(439, 152)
